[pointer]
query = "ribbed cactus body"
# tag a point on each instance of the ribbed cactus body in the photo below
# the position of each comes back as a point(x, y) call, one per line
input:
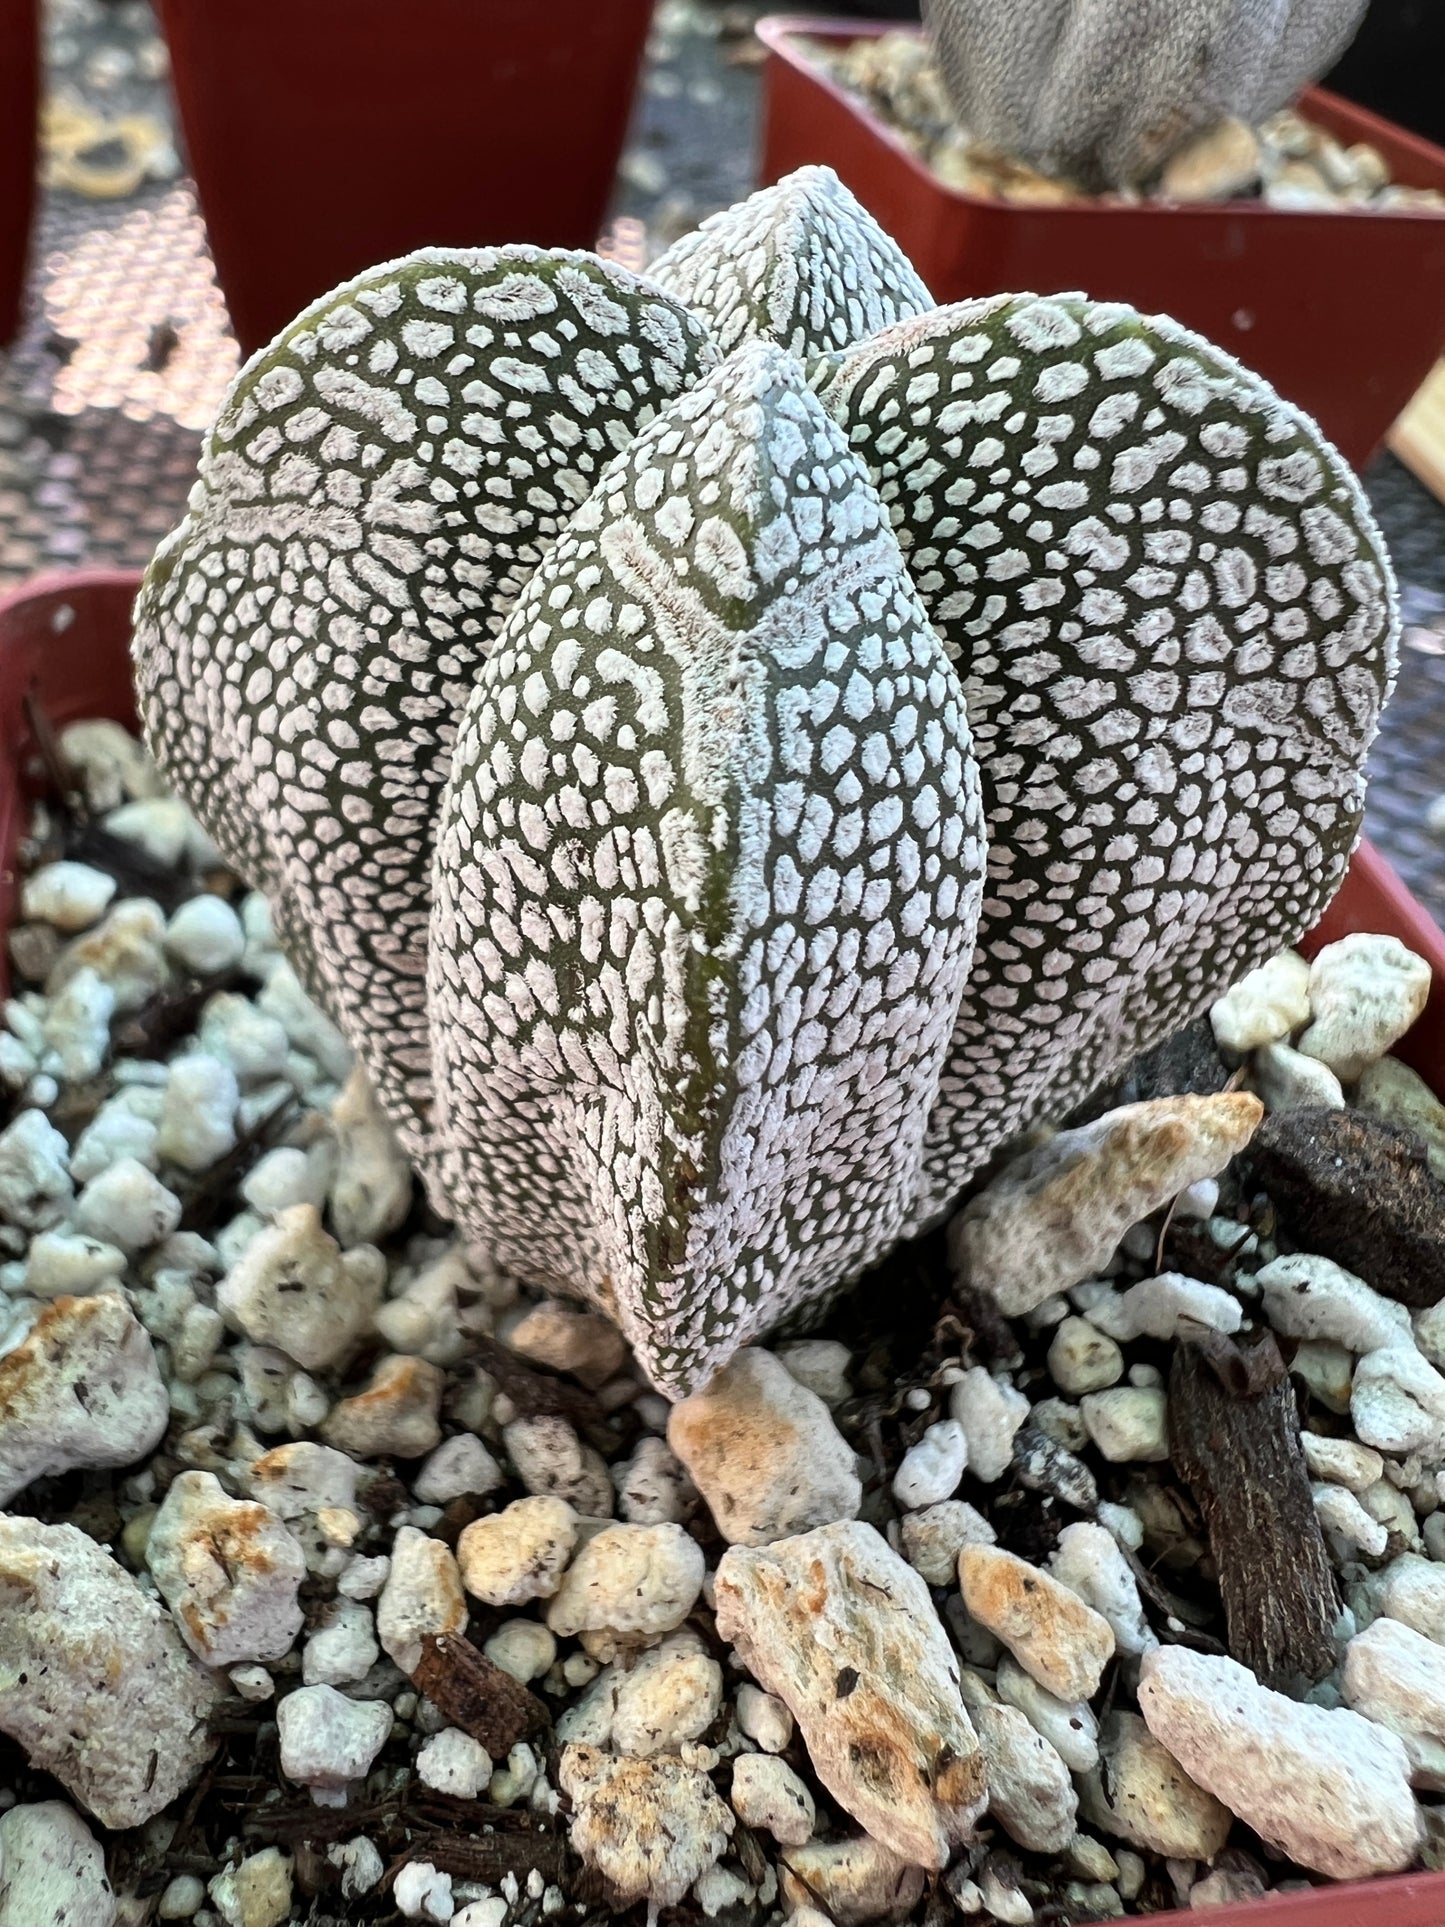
point(1104, 91)
point(733, 750)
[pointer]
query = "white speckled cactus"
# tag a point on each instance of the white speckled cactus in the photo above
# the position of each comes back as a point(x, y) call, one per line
point(1104, 91)
point(609, 678)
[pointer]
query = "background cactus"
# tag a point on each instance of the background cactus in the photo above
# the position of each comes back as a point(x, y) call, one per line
point(1104, 92)
point(609, 678)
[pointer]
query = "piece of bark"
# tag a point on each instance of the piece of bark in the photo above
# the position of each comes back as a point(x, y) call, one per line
point(475, 1695)
point(1234, 1435)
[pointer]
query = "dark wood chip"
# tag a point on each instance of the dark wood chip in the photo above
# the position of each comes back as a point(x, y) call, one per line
point(476, 1695)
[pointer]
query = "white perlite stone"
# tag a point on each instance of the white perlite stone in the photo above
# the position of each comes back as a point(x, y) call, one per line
point(453, 1762)
point(127, 1205)
point(1366, 991)
point(1397, 1401)
point(520, 1553)
point(932, 1470)
point(285, 1177)
point(71, 896)
point(95, 1683)
point(371, 1193)
point(35, 1187)
point(1347, 1522)
point(422, 1892)
point(343, 1646)
point(61, 1264)
point(653, 1488)
point(1412, 1590)
point(990, 1412)
point(52, 1868)
point(627, 1586)
point(1049, 1630)
point(1342, 1461)
point(1030, 1793)
point(229, 1571)
point(522, 1647)
point(1083, 1359)
point(1325, 1787)
point(1129, 1424)
point(1140, 1793)
point(652, 1827)
point(1287, 1080)
point(1309, 1297)
point(1088, 1560)
point(423, 1594)
point(767, 1793)
point(327, 1740)
point(933, 1538)
point(81, 1389)
point(1396, 1677)
point(551, 1461)
point(77, 1028)
point(459, 1467)
point(844, 1632)
point(856, 1880)
point(1267, 1005)
point(1069, 1726)
point(764, 1453)
point(1154, 1307)
point(205, 936)
point(295, 1288)
point(198, 1120)
point(569, 1339)
point(668, 1696)
point(1054, 1216)
point(763, 1718)
point(822, 1365)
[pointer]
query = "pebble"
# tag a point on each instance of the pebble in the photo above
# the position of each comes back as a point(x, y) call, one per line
point(254, 1044)
point(822, 1365)
point(81, 1390)
point(1082, 1359)
point(522, 1648)
point(295, 1288)
point(933, 1538)
point(68, 896)
point(990, 1412)
point(1307, 1296)
point(62, 1264)
point(668, 1696)
point(1322, 1785)
point(519, 1553)
point(552, 1462)
point(309, 1030)
point(110, 763)
point(460, 1467)
point(181, 1898)
point(423, 1594)
point(652, 1827)
point(299, 1483)
point(422, 1892)
point(1030, 1793)
point(125, 1126)
point(342, 1646)
point(52, 1869)
point(35, 1186)
point(285, 1177)
point(1346, 1520)
point(127, 1205)
point(1396, 1677)
point(764, 1453)
point(1362, 1193)
point(77, 1029)
point(1154, 1307)
point(1054, 1216)
point(1397, 1402)
point(1391, 1091)
point(1069, 1726)
point(96, 1684)
point(767, 1794)
point(627, 1586)
point(205, 936)
point(1365, 991)
point(395, 1417)
point(257, 1893)
point(452, 1762)
point(328, 1741)
point(1088, 1560)
point(1287, 1080)
point(1043, 1465)
point(198, 1119)
point(371, 1191)
point(763, 1718)
point(1140, 1793)
point(229, 1571)
point(843, 1631)
point(126, 952)
point(856, 1880)
point(158, 826)
point(1342, 1461)
point(567, 1339)
point(1412, 1590)
point(653, 1488)
point(932, 1470)
point(1265, 1007)
point(1129, 1424)
point(1064, 1644)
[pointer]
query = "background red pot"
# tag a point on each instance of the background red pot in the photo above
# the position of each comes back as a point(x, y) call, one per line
point(328, 135)
point(1343, 311)
point(64, 639)
point(19, 104)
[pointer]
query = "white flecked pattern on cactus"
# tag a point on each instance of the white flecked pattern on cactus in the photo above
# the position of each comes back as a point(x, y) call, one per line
point(800, 264)
point(706, 885)
point(1173, 621)
point(1104, 93)
point(689, 966)
point(379, 486)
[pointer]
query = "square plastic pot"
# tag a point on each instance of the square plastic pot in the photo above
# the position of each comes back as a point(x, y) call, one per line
point(1343, 311)
point(326, 136)
point(19, 105)
point(64, 639)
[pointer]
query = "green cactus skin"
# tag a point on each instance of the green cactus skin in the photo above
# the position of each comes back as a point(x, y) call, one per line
point(1104, 91)
point(635, 833)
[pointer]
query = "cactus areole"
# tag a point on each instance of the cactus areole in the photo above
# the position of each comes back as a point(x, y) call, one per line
point(733, 749)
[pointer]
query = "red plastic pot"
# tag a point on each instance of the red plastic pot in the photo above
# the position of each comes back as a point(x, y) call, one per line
point(64, 639)
point(1344, 312)
point(328, 135)
point(19, 105)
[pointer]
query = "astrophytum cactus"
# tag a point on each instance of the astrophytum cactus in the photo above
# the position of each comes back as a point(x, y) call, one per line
point(1104, 91)
point(608, 679)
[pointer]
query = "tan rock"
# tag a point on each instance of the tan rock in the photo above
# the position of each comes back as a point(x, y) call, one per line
point(652, 1827)
point(519, 1553)
point(423, 1594)
point(229, 1571)
point(856, 1880)
point(257, 1893)
point(1140, 1793)
point(764, 1453)
point(1054, 1216)
point(626, 1587)
point(1030, 1793)
point(1057, 1639)
point(396, 1415)
point(569, 1339)
point(294, 1287)
point(844, 1632)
